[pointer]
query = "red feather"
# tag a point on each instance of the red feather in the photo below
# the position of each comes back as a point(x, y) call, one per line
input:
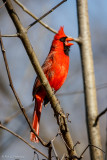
point(55, 69)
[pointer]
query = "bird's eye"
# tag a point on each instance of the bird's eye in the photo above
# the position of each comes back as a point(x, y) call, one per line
point(63, 39)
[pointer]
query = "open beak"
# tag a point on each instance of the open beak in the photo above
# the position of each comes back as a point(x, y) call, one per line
point(67, 41)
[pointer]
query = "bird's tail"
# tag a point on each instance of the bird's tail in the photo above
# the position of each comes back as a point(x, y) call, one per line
point(36, 118)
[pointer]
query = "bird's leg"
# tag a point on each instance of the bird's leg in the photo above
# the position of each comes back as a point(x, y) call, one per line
point(67, 116)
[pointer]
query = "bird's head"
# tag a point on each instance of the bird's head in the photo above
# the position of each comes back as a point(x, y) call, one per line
point(62, 40)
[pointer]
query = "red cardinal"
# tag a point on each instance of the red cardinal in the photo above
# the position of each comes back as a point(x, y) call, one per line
point(55, 69)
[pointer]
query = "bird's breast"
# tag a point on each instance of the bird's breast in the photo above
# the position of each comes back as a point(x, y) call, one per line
point(59, 71)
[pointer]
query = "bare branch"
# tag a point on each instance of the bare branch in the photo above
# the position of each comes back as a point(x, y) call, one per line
point(11, 117)
point(15, 94)
point(2, 5)
point(16, 135)
point(36, 156)
point(32, 56)
point(90, 145)
point(46, 14)
point(63, 156)
point(54, 149)
point(50, 153)
point(67, 117)
point(14, 35)
point(98, 87)
point(42, 23)
point(36, 18)
point(88, 78)
point(76, 144)
point(65, 142)
point(97, 118)
point(14, 115)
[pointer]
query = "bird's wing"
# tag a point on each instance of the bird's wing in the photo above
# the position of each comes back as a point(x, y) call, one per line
point(46, 67)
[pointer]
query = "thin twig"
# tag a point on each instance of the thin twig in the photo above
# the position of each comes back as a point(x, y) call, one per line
point(50, 153)
point(63, 156)
point(54, 149)
point(36, 18)
point(36, 156)
point(8, 119)
point(16, 135)
point(2, 5)
point(67, 117)
point(97, 118)
point(46, 14)
point(65, 142)
point(33, 58)
point(14, 115)
point(11, 117)
point(98, 87)
point(76, 144)
point(90, 145)
point(13, 35)
point(42, 23)
point(15, 94)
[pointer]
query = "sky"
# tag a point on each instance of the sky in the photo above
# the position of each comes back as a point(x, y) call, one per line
point(23, 74)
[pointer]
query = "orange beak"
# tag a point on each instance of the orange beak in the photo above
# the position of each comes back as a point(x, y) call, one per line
point(67, 40)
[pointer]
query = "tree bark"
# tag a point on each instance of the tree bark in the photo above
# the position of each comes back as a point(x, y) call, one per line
point(88, 79)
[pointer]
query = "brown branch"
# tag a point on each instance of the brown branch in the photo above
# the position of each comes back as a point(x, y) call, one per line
point(90, 145)
point(15, 94)
point(54, 149)
point(36, 18)
point(2, 5)
point(36, 156)
point(76, 144)
point(47, 13)
point(63, 157)
point(13, 35)
point(98, 87)
point(22, 139)
point(32, 56)
point(42, 23)
point(65, 142)
point(50, 153)
point(14, 115)
point(11, 117)
point(97, 118)
point(88, 79)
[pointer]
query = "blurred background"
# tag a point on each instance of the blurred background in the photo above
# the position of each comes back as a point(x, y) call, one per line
point(70, 95)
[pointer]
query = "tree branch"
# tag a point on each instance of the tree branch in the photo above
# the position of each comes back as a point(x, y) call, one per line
point(13, 35)
point(16, 135)
point(15, 94)
point(42, 23)
point(32, 56)
point(2, 5)
point(46, 14)
point(50, 153)
point(36, 18)
point(97, 118)
point(90, 145)
point(14, 115)
point(89, 79)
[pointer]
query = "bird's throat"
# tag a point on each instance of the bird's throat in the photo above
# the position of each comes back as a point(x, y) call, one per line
point(66, 49)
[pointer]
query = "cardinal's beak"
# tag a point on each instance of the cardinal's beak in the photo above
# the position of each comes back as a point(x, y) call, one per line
point(67, 41)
